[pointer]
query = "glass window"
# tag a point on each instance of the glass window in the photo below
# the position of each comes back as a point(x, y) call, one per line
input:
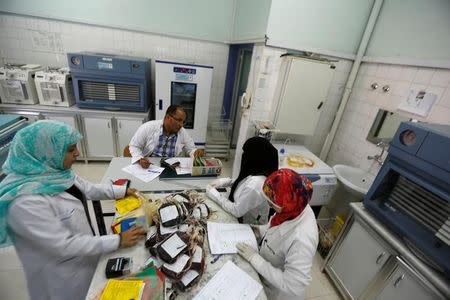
point(184, 94)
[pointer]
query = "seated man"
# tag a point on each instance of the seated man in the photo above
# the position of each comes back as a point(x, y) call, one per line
point(163, 138)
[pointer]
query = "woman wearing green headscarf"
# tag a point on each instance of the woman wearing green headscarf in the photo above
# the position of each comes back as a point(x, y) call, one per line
point(43, 212)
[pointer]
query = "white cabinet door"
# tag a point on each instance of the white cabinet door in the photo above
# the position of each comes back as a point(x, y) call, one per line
point(404, 283)
point(126, 128)
point(69, 120)
point(98, 137)
point(303, 94)
point(358, 260)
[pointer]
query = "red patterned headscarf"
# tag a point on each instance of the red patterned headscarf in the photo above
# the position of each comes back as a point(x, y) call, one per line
point(288, 190)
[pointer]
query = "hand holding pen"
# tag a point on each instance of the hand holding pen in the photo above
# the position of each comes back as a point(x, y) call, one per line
point(144, 162)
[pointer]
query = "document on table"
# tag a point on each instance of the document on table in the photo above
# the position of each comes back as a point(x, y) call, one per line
point(230, 282)
point(145, 175)
point(185, 166)
point(223, 237)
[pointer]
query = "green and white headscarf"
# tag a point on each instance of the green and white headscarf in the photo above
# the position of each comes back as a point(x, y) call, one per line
point(35, 166)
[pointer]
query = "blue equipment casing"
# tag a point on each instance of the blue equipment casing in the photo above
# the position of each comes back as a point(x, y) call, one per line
point(106, 81)
point(411, 193)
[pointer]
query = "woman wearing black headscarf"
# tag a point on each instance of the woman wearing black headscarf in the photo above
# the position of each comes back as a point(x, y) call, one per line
point(245, 201)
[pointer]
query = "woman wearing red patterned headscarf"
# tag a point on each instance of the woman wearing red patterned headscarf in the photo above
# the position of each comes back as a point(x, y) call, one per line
point(290, 239)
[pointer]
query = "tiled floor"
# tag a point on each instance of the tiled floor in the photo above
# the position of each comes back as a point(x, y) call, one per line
point(12, 280)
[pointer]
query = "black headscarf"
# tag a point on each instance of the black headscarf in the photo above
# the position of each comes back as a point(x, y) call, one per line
point(260, 157)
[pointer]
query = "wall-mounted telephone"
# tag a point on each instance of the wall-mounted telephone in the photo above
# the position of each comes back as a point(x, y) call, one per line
point(245, 100)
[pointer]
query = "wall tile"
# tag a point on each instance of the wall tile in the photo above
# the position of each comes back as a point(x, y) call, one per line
point(16, 45)
point(437, 90)
point(441, 78)
point(371, 69)
point(350, 145)
point(408, 73)
point(423, 76)
point(440, 114)
point(445, 100)
point(400, 88)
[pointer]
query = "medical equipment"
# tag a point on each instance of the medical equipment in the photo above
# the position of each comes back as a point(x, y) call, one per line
point(9, 125)
point(411, 193)
point(304, 162)
point(107, 81)
point(54, 87)
point(188, 86)
point(17, 84)
point(118, 266)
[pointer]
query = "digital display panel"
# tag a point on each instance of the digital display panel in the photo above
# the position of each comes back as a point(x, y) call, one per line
point(184, 70)
point(104, 65)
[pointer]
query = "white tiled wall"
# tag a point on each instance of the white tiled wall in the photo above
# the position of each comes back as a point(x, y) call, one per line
point(350, 145)
point(46, 42)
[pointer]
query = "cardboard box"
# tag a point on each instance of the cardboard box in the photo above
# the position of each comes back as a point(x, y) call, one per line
point(213, 167)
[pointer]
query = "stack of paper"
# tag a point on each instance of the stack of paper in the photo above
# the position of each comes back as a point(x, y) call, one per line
point(123, 289)
point(230, 283)
point(145, 175)
point(223, 237)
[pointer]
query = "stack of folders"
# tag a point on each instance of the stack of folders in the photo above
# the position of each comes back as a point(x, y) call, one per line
point(147, 284)
point(123, 289)
point(130, 213)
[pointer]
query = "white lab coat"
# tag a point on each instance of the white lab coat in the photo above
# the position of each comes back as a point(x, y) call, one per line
point(146, 139)
point(249, 202)
point(286, 256)
point(53, 240)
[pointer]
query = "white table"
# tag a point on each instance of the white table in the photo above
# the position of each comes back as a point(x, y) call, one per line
point(157, 185)
point(140, 254)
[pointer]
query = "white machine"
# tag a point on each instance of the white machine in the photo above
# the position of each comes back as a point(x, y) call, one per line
point(304, 162)
point(17, 84)
point(54, 87)
point(188, 86)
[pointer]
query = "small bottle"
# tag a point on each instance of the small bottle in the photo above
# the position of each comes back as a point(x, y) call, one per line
point(281, 157)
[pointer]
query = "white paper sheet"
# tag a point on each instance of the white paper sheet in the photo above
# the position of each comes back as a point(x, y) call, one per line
point(197, 257)
point(223, 237)
point(168, 213)
point(173, 245)
point(189, 276)
point(185, 166)
point(172, 229)
point(145, 175)
point(230, 283)
point(179, 264)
